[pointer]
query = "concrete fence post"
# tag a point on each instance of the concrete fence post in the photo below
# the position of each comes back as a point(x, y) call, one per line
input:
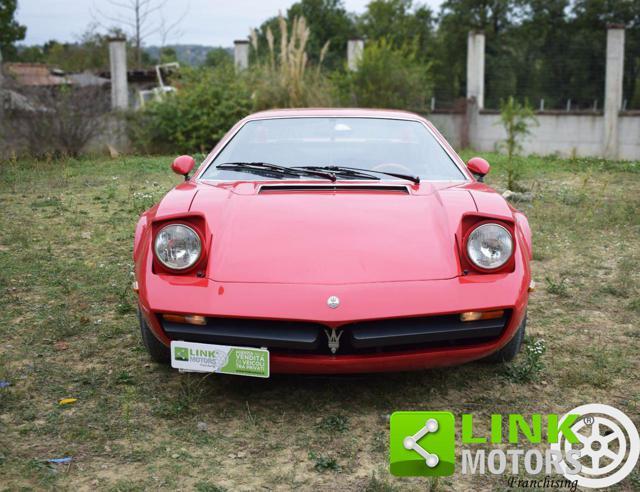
point(475, 88)
point(118, 67)
point(613, 89)
point(475, 67)
point(241, 54)
point(355, 48)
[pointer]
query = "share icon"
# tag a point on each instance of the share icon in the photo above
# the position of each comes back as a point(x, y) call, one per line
point(411, 442)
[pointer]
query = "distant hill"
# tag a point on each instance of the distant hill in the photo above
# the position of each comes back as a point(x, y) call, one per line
point(76, 57)
point(188, 54)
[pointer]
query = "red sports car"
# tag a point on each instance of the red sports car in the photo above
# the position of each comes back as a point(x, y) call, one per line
point(331, 241)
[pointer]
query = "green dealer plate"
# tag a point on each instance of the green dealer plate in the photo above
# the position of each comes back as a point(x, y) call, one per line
point(206, 357)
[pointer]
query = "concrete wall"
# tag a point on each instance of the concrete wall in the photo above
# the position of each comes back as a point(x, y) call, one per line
point(450, 125)
point(564, 134)
point(555, 134)
point(629, 137)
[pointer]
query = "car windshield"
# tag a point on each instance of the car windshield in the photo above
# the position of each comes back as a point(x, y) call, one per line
point(374, 144)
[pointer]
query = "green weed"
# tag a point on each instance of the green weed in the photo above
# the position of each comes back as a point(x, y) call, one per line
point(557, 286)
point(529, 368)
point(334, 423)
point(323, 463)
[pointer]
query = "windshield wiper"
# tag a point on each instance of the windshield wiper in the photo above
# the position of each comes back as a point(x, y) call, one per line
point(363, 172)
point(265, 167)
point(341, 171)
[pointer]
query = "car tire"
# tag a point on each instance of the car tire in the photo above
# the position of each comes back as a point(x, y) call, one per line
point(511, 349)
point(156, 349)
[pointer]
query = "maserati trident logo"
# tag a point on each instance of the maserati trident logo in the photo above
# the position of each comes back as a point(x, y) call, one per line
point(334, 340)
point(333, 302)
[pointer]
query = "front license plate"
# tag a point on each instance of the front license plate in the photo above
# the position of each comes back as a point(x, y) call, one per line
point(205, 357)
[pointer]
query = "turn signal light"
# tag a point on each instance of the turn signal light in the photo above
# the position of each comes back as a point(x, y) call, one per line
point(191, 319)
point(479, 315)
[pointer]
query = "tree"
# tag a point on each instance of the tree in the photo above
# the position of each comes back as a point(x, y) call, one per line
point(327, 20)
point(540, 65)
point(142, 18)
point(389, 77)
point(217, 57)
point(399, 22)
point(168, 54)
point(457, 18)
point(593, 16)
point(30, 54)
point(10, 30)
point(89, 52)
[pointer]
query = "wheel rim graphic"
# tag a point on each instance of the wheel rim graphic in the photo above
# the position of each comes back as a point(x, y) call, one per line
point(596, 454)
point(601, 439)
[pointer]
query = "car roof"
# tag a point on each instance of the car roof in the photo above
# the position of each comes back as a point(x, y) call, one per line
point(336, 112)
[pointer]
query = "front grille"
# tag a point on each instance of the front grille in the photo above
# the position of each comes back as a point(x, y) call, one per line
point(377, 336)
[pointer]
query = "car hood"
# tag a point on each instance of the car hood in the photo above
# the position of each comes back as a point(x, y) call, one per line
point(332, 237)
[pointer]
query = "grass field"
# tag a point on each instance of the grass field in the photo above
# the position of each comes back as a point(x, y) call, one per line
point(69, 330)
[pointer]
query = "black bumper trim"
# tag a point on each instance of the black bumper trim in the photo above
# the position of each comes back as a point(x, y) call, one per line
point(383, 335)
point(413, 331)
point(248, 332)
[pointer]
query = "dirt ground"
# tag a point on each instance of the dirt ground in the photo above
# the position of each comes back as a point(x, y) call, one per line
point(69, 330)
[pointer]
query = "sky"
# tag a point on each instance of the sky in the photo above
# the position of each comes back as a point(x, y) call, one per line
point(207, 22)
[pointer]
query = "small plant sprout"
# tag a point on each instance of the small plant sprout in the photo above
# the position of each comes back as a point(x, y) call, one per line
point(516, 119)
point(528, 369)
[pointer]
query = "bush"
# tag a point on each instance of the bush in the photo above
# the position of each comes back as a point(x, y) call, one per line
point(56, 122)
point(387, 77)
point(208, 102)
point(284, 78)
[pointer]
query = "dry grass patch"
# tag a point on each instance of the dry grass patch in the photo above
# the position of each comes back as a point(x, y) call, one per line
point(69, 330)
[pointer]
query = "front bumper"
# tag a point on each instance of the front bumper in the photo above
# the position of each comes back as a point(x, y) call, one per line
point(359, 303)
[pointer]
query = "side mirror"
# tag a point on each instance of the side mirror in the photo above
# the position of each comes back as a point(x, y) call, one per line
point(478, 167)
point(183, 165)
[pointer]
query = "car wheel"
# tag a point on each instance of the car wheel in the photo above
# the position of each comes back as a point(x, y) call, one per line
point(156, 349)
point(511, 349)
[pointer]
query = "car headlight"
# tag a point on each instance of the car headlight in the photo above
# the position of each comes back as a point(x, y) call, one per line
point(177, 246)
point(489, 246)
